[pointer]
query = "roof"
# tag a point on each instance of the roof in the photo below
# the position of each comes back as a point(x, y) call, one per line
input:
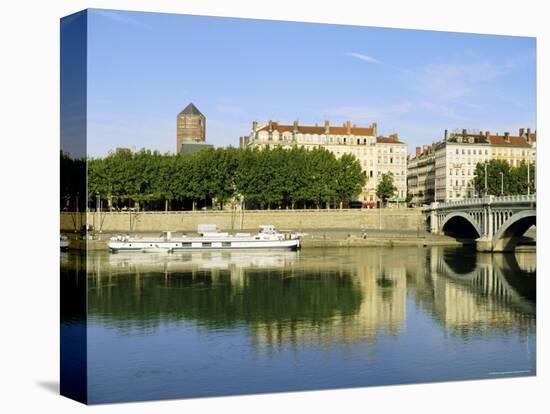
point(512, 140)
point(487, 139)
point(316, 129)
point(190, 110)
point(388, 140)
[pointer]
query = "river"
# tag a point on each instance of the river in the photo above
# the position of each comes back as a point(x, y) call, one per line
point(225, 323)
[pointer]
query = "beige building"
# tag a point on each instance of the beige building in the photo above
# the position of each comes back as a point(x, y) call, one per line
point(421, 175)
point(377, 154)
point(448, 166)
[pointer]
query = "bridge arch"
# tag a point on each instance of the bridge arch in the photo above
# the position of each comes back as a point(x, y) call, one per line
point(461, 224)
point(507, 236)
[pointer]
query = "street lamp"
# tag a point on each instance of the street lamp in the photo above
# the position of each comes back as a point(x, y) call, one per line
point(486, 192)
point(528, 174)
point(501, 183)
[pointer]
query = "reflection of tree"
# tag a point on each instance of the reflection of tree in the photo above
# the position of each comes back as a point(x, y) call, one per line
point(386, 285)
point(265, 297)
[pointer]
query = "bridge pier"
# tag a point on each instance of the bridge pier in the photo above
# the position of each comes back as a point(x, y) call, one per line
point(484, 244)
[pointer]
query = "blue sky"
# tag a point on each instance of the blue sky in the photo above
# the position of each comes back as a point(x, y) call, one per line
point(143, 68)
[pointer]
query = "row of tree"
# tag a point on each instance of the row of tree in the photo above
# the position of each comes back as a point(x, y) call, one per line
point(270, 178)
point(504, 179)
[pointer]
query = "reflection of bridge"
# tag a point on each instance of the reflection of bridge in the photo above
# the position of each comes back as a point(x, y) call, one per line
point(482, 291)
point(495, 222)
point(495, 275)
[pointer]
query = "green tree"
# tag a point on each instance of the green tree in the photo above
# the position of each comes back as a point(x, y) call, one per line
point(386, 189)
point(349, 178)
point(499, 178)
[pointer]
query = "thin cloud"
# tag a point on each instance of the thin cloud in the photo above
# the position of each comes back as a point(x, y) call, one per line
point(370, 113)
point(364, 57)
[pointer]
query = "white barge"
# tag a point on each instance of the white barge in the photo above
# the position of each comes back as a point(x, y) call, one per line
point(209, 238)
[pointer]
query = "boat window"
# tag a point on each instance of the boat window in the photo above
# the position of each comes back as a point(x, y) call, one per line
point(207, 244)
point(226, 244)
point(186, 244)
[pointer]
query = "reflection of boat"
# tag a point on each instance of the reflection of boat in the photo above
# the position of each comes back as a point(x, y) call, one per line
point(64, 243)
point(209, 238)
point(183, 261)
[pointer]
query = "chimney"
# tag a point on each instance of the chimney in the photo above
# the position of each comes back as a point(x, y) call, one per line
point(295, 126)
point(424, 148)
point(270, 126)
point(418, 151)
point(348, 127)
point(464, 133)
point(446, 135)
point(374, 127)
point(507, 137)
point(521, 132)
point(487, 133)
point(254, 126)
point(327, 127)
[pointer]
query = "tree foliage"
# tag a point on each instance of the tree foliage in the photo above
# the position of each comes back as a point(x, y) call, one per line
point(386, 189)
point(270, 178)
point(504, 178)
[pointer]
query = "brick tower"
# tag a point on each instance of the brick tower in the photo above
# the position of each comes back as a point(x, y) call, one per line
point(191, 127)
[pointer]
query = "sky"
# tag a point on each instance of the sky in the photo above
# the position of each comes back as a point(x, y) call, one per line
point(144, 68)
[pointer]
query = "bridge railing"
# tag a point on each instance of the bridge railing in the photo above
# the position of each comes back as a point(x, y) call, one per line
point(467, 202)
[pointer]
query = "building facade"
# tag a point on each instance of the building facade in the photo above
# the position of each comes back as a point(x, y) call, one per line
point(421, 175)
point(190, 130)
point(445, 170)
point(377, 155)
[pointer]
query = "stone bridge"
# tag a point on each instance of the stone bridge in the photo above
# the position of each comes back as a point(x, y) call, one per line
point(497, 223)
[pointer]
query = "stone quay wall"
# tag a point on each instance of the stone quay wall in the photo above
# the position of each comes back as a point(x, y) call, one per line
point(378, 219)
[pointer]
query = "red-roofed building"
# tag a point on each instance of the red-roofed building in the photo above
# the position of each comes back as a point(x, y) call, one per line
point(377, 154)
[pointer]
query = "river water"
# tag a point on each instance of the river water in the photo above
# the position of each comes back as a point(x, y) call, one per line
point(206, 324)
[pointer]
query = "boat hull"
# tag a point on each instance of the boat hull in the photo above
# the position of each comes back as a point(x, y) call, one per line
point(176, 246)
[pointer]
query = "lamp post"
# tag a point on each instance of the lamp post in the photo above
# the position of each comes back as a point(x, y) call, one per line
point(528, 174)
point(501, 183)
point(486, 192)
point(96, 224)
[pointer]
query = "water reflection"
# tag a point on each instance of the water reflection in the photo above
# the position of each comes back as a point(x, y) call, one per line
point(315, 296)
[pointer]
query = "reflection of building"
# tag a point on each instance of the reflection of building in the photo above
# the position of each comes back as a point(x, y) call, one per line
point(454, 160)
point(191, 130)
point(377, 155)
point(383, 309)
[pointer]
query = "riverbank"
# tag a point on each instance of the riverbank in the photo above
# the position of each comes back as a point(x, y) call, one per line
point(388, 219)
point(319, 238)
